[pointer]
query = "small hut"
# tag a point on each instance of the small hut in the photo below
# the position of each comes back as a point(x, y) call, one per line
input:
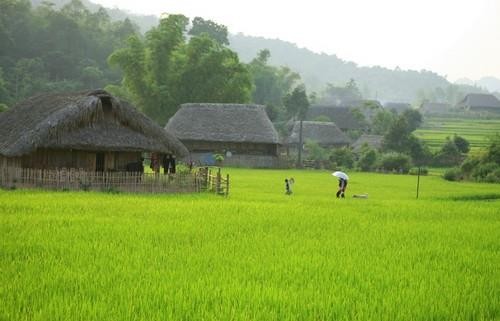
point(345, 118)
point(88, 131)
point(435, 108)
point(372, 141)
point(326, 134)
point(242, 134)
point(398, 108)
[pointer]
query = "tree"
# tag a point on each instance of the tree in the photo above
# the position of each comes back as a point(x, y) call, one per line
point(461, 143)
point(163, 71)
point(382, 121)
point(413, 119)
point(215, 31)
point(297, 104)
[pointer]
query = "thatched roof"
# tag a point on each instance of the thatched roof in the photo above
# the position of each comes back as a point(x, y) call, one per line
point(223, 123)
point(397, 107)
point(487, 101)
point(79, 121)
point(323, 133)
point(435, 107)
point(374, 141)
point(343, 117)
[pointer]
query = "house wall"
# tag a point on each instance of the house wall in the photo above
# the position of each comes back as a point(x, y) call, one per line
point(52, 159)
point(9, 162)
point(235, 148)
point(237, 160)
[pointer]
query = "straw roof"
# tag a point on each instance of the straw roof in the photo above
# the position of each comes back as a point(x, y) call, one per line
point(397, 107)
point(323, 133)
point(428, 107)
point(223, 123)
point(343, 117)
point(373, 141)
point(79, 121)
point(487, 101)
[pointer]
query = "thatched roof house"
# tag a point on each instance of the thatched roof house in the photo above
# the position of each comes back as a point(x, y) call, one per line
point(326, 134)
point(90, 130)
point(480, 102)
point(344, 117)
point(373, 141)
point(397, 107)
point(434, 108)
point(243, 133)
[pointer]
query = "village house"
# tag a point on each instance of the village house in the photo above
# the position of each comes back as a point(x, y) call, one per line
point(428, 108)
point(372, 141)
point(88, 131)
point(242, 135)
point(480, 103)
point(326, 134)
point(347, 119)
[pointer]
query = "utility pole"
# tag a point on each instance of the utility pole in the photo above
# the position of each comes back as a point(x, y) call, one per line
point(418, 180)
point(299, 159)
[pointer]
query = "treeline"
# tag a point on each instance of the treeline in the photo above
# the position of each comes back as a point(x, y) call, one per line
point(49, 50)
point(70, 48)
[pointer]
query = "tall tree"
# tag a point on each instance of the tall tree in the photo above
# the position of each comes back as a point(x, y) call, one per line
point(214, 30)
point(297, 104)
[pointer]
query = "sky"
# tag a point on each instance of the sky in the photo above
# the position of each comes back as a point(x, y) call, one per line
point(455, 38)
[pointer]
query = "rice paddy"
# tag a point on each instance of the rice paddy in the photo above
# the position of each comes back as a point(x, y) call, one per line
point(257, 255)
point(477, 131)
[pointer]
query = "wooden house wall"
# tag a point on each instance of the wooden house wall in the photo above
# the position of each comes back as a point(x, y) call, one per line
point(235, 148)
point(52, 159)
point(9, 162)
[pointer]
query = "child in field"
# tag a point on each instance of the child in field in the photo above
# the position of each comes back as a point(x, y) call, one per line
point(289, 185)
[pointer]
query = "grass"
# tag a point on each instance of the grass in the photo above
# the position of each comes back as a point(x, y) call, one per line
point(257, 255)
point(477, 131)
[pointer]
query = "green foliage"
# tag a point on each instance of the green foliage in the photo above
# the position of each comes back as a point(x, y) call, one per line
point(51, 50)
point(271, 84)
point(315, 151)
point(3, 107)
point(482, 171)
point(415, 170)
point(449, 155)
point(395, 162)
point(334, 95)
point(383, 121)
point(493, 150)
point(163, 71)
point(215, 31)
point(367, 159)
point(343, 157)
point(461, 143)
point(297, 103)
point(452, 174)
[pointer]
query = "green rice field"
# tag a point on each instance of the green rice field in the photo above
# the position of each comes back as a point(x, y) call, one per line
point(477, 131)
point(258, 254)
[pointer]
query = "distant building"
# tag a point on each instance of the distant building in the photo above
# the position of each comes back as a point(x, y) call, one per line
point(397, 107)
point(326, 134)
point(373, 141)
point(480, 102)
point(344, 117)
point(243, 134)
point(435, 108)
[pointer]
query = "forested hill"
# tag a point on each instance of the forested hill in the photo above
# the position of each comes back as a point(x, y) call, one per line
point(145, 22)
point(319, 69)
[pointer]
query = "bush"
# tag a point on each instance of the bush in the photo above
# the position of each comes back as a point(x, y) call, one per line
point(483, 170)
point(395, 162)
point(452, 174)
point(493, 177)
point(342, 157)
point(414, 171)
point(315, 151)
point(469, 164)
point(367, 160)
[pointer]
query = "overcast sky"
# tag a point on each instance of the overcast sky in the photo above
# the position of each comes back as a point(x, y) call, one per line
point(455, 38)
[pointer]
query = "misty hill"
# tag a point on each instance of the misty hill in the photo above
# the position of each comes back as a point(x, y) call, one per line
point(319, 69)
point(490, 83)
point(316, 69)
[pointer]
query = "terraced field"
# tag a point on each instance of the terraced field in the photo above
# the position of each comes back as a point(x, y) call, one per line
point(476, 131)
